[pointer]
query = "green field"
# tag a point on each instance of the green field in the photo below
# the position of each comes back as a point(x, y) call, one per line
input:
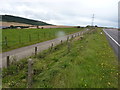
point(90, 63)
point(22, 37)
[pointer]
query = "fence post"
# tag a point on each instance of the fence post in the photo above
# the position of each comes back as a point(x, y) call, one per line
point(81, 37)
point(49, 34)
point(67, 38)
point(30, 73)
point(68, 44)
point(19, 39)
point(61, 41)
point(82, 33)
point(8, 61)
point(51, 46)
point(29, 38)
point(38, 36)
point(35, 51)
point(72, 36)
point(44, 34)
point(6, 42)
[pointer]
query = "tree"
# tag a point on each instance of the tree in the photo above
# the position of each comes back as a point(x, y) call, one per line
point(78, 26)
point(11, 26)
point(88, 26)
point(96, 26)
point(37, 27)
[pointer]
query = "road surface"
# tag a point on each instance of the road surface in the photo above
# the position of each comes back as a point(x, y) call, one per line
point(27, 51)
point(113, 35)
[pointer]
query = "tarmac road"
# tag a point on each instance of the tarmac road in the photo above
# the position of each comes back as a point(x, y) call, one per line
point(27, 51)
point(113, 35)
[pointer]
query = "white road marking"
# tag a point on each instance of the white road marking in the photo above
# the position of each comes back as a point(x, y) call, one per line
point(112, 38)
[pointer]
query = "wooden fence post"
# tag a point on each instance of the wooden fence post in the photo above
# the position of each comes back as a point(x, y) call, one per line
point(8, 61)
point(51, 46)
point(82, 33)
point(29, 38)
point(81, 37)
point(44, 34)
point(38, 36)
point(61, 41)
point(30, 73)
point(68, 46)
point(67, 38)
point(19, 39)
point(49, 34)
point(35, 51)
point(6, 42)
point(72, 36)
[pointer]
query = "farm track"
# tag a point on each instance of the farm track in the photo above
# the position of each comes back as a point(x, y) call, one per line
point(27, 51)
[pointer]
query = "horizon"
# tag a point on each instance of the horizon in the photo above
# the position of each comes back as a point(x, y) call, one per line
point(54, 24)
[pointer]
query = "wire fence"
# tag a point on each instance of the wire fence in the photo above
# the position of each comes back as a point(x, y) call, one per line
point(19, 39)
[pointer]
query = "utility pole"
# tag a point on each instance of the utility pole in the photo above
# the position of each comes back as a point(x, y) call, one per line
point(93, 19)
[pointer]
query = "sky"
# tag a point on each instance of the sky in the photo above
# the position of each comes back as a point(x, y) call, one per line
point(64, 12)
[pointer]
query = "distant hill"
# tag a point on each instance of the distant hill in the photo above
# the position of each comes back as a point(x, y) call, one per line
point(16, 19)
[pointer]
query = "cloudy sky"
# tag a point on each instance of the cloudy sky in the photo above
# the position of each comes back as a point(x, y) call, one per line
point(64, 12)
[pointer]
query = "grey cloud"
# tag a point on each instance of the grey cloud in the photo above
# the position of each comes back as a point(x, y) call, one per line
point(65, 12)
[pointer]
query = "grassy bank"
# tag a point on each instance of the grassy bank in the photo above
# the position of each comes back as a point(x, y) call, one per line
point(90, 63)
point(15, 38)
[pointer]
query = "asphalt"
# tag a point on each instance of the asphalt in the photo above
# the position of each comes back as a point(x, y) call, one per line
point(20, 53)
point(113, 36)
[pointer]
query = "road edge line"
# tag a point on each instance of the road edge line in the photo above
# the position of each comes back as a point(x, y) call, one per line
point(111, 38)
